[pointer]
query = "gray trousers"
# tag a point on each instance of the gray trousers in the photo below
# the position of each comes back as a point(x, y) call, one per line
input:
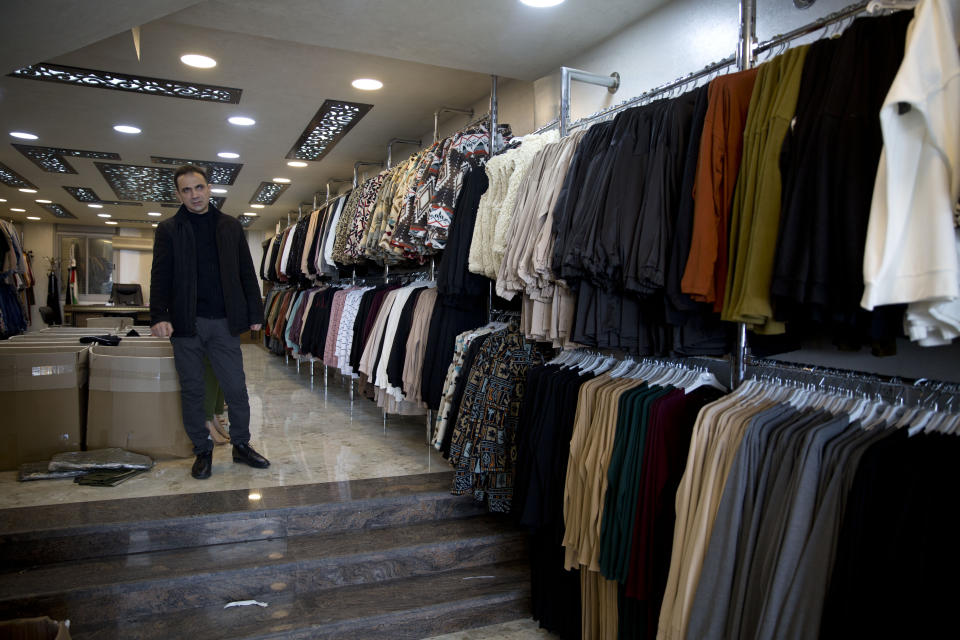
point(213, 339)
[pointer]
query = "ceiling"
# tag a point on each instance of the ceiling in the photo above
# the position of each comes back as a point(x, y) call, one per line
point(287, 57)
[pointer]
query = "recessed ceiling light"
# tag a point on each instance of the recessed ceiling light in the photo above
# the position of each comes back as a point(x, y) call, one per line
point(95, 206)
point(3, 199)
point(42, 201)
point(250, 213)
point(23, 135)
point(109, 222)
point(367, 84)
point(296, 163)
point(228, 154)
point(27, 190)
point(33, 217)
point(282, 180)
point(126, 128)
point(155, 214)
point(258, 206)
point(154, 224)
point(218, 190)
point(243, 121)
point(17, 210)
point(104, 215)
point(197, 60)
point(541, 3)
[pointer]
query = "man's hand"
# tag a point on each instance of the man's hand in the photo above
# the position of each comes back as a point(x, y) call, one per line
point(256, 327)
point(162, 330)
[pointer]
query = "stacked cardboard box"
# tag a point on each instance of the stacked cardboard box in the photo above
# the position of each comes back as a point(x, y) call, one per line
point(43, 392)
point(134, 400)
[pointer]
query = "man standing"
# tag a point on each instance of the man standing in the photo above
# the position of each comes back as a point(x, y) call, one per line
point(203, 294)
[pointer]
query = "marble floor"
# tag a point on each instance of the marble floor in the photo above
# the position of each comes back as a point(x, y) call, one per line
point(309, 435)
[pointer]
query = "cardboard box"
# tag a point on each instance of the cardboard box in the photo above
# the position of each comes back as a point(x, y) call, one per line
point(44, 628)
point(134, 402)
point(43, 393)
point(110, 322)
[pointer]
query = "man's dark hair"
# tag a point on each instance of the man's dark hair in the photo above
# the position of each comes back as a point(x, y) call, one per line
point(184, 170)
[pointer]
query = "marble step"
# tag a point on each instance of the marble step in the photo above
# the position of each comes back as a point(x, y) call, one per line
point(32, 536)
point(151, 583)
point(416, 607)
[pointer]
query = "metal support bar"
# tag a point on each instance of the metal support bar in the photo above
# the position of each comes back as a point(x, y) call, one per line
point(568, 75)
point(494, 147)
point(816, 25)
point(746, 49)
point(746, 57)
point(436, 118)
point(386, 272)
point(429, 425)
point(432, 270)
point(332, 181)
point(356, 170)
point(394, 141)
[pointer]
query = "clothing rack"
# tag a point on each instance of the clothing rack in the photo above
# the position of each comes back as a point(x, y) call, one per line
point(436, 119)
point(394, 141)
point(895, 390)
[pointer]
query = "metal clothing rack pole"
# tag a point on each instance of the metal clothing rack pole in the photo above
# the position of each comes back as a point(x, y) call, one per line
point(708, 70)
point(816, 25)
point(394, 141)
point(568, 75)
point(436, 119)
point(746, 57)
point(356, 170)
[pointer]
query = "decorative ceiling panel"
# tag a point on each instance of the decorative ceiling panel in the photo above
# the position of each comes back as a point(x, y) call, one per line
point(245, 221)
point(58, 210)
point(125, 82)
point(88, 195)
point(135, 182)
point(54, 159)
point(334, 120)
point(268, 192)
point(11, 178)
point(217, 172)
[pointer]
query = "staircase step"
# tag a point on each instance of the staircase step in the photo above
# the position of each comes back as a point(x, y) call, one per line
point(142, 584)
point(32, 536)
point(415, 607)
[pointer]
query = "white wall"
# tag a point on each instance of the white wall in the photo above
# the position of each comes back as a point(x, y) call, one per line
point(39, 237)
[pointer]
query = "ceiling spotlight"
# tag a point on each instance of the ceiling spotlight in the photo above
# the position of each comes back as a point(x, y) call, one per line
point(296, 163)
point(126, 128)
point(282, 180)
point(154, 224)
point(95, 206)
point(27, 190)
point(33, 217)
point(155, 214)
point(42, 201)
point(197, 60)
point(250, 213)
point(540, 4)
point(218, 190)
point(104, 215)
point(17, 210)
point(3, 199)
point(110, 222)
point(367, 84)
point(228, 154)
point(241, 120)
point(23, 135)
point(258, 206)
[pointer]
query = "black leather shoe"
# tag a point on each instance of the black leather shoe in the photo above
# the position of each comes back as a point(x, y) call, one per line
point(243, 452)
point(202, 466)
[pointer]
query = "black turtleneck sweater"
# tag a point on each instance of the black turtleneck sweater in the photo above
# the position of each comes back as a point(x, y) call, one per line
point(209, 288)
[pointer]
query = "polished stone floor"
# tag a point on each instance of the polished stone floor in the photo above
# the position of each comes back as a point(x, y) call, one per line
point(310, 433)
point(309, 436)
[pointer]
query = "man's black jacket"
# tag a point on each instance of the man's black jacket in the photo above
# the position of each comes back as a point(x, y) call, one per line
point(173, 276)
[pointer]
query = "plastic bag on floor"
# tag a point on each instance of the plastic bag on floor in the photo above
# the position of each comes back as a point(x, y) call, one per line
point(113, 458)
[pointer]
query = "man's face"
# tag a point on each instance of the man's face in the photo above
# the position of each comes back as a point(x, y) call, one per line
point(194, 192)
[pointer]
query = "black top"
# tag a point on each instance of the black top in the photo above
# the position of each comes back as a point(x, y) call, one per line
point(209, 289)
